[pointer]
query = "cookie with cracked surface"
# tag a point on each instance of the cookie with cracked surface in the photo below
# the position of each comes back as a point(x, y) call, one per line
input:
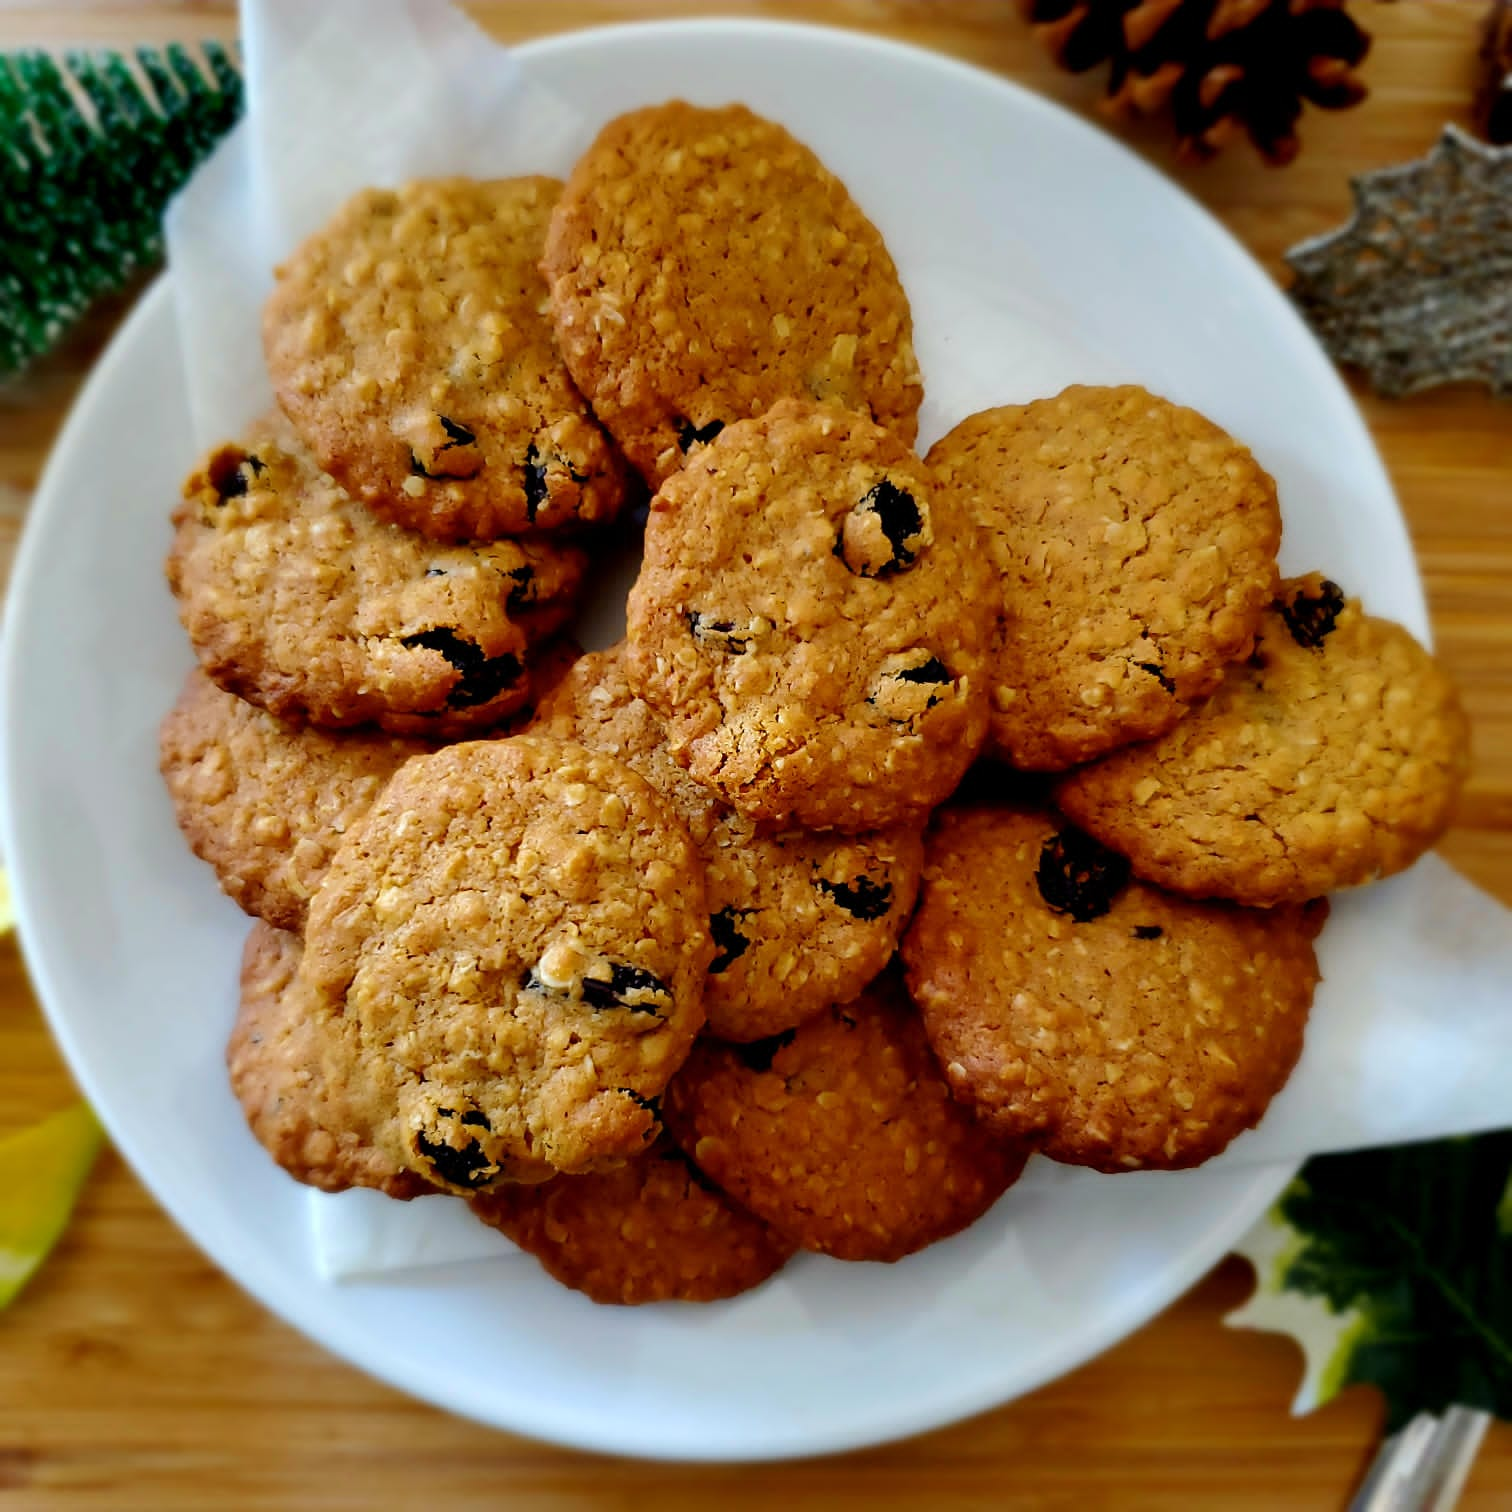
point(812, 623)
point(1135, 545)
point(799, 920)
point(1106, 1022)
point(275, 1060)
point(410, 343)
point(515, 936)
point(841, 1134)
point(298, 599)
point(652, 1231)
point(265, 802)
point(1332, 756)
point(704, 264)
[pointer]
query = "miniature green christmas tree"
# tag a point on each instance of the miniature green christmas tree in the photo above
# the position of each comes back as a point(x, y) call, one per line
point(93, 149)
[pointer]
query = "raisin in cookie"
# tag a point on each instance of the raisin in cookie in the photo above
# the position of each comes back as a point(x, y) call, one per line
point(264, 802)
point(1109, 1023)
point(812, 622)
point(1332, 756)
point(652, 1231)
point(800, 921)
point(298, 599)
point(703, 264)
point(514, 939)
point(275, 1058)
point(409, 342)
point(841, 1134)
point(1135, 546)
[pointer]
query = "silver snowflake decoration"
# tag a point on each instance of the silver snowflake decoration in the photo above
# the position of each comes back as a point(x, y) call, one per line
point(1417, 288)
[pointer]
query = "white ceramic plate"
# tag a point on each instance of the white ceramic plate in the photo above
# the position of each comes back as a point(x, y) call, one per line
point(1036, 252)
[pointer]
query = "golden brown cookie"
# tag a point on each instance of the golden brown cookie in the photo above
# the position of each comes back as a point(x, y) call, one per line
point(812, 623)
point(264, 802)
point(1332, 756)
point(652, 1231)
point(841, 1134)
point(515, 939)
point(275, 1060)
point(703, 264)
point(1111, 1024)
point(1135, 548)
point(409, 342)
point(799, 920)
point(298, 599)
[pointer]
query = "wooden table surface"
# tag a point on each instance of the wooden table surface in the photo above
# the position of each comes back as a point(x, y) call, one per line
point(133, 1374)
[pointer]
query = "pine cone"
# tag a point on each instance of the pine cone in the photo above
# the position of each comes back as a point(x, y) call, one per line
point(1214, 65)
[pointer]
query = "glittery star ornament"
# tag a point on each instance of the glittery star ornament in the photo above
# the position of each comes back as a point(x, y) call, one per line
point(1417, 288)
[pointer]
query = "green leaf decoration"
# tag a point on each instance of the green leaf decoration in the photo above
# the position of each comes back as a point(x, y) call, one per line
point(92, 148)
point(1394, 1267)
point(41, 1172)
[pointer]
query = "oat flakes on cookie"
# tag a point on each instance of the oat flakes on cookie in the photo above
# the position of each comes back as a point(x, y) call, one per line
point(1135, 547)
point(275, 1058)
point(799, 920)
point(515, 939)
point(841, 1134)
point(1332, 756)
point(409, 342)
point(654, 1230)
point(812, 623)
point(298, 599)
point(1106, 1022)
point(266, 803)
point(704, 264)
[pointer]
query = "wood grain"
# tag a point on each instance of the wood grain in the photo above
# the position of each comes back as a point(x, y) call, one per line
point(134, 1375)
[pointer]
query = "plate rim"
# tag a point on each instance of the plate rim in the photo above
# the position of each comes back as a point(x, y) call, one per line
point(286, 1297)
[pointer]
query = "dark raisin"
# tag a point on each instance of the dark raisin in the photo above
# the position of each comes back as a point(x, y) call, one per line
point(1310, 617)
point(1077, 876)
point(898, 515)
point(934, 671)
point(446, 1112)
point(1147, 931)
point(891, 696)
point(521, 593)
point(727, 936)
point(624, 982)
point(483, 678)
point(258, 466)
point(475, 1120)
point(535, 481)
point(456, 435)
point(227, 477)
point(721, 633)
point(690, 435)
point(1158, 673)
point(862, 899)
point(759, 1054)
point(467, 1167)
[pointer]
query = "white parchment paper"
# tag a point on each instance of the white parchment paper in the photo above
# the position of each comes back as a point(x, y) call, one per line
point(348, 93)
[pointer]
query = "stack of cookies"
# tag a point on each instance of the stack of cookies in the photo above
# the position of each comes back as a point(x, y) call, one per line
point(931, 813)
